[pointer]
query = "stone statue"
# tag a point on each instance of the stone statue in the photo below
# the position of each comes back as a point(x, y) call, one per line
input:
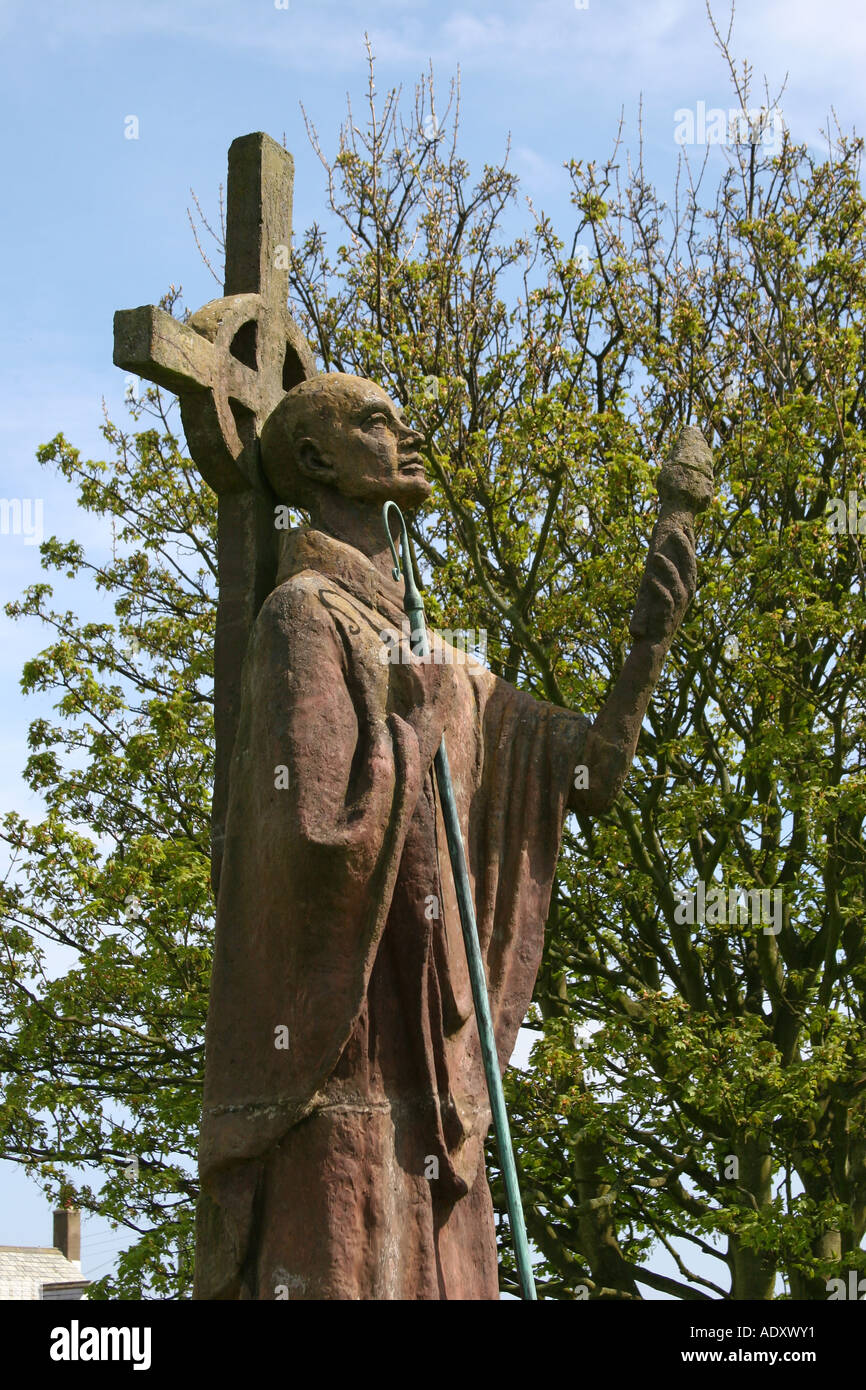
point(345, 1106)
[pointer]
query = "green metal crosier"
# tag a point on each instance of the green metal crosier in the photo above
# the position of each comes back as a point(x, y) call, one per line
point(414, 608)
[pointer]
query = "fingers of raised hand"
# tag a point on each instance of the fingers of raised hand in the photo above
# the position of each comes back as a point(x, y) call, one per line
point(681, 548)
point(667, 582)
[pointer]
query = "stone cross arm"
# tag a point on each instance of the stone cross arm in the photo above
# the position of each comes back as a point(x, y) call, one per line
point(219, 392)
point(233, 361)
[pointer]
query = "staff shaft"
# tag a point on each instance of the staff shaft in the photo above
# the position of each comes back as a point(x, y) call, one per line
point(421, 646)
point(485, 1022)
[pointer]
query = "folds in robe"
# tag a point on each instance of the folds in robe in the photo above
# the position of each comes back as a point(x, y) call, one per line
point(345, 1105)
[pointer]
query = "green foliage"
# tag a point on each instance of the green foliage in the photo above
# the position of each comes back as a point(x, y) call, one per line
point(693, 1086)
point(107, 907)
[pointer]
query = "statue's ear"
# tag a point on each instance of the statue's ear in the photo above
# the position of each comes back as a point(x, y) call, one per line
point(311, 464)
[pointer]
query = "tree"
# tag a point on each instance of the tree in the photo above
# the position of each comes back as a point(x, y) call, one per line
point(693, 1081)
point(107, 907)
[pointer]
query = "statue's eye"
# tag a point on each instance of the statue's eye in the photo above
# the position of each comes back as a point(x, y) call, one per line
point(377, 418)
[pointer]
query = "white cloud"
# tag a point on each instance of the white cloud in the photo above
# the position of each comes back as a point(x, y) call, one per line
point(664, 34)
point(612, 49)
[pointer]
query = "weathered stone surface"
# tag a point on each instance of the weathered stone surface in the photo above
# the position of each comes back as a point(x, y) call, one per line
point(349, 1163)
point(337, 919)
point(685, 487)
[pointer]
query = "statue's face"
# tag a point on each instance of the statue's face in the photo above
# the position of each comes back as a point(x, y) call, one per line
point(360, 445)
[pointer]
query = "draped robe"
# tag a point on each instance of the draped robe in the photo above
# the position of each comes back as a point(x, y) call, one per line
point(345, 1104)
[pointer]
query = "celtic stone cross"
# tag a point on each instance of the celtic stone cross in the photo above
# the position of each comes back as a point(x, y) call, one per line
point(230, 365)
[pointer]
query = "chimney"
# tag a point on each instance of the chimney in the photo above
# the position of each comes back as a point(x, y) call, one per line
point(67, 1233)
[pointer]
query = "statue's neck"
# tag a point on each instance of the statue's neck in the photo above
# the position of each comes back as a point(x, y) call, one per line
point(358, 524)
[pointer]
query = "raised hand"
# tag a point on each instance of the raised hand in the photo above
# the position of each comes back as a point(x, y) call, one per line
point(668, 585)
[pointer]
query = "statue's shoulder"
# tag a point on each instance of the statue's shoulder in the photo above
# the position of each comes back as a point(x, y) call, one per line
point(296, 604)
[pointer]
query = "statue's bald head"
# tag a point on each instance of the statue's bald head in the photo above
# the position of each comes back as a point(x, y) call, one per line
point(308, 411)
point(342, 433)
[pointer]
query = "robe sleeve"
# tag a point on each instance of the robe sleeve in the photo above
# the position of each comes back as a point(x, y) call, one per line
point(530, 752)
point(323, 785)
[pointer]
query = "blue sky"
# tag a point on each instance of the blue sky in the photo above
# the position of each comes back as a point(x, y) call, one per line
point(92, 221)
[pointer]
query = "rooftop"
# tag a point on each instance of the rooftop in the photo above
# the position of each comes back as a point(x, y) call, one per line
point(25, 1268)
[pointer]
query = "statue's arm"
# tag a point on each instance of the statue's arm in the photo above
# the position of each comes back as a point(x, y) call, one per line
point(666, 591)
point(356, 753)
point(342, 751)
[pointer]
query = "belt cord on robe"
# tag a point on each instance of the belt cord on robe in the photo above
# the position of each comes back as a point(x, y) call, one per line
point(414, 607)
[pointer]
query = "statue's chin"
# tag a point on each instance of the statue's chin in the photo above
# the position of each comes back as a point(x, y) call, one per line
point(410, 490)
point(408, 487)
